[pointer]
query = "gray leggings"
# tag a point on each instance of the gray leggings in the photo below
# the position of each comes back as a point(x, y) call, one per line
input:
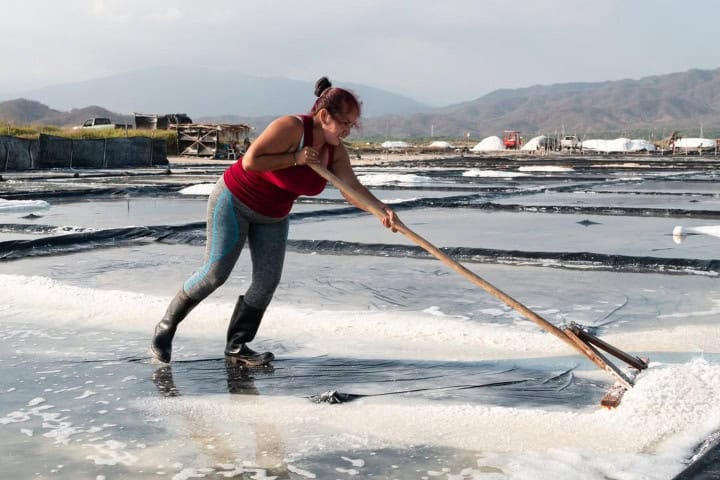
point(229, 223)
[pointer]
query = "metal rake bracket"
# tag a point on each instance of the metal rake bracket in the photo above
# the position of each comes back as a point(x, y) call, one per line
point(624, 379)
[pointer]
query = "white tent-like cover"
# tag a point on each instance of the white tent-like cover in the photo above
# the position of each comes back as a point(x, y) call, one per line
point(489, 144)
point(694, 143)
point(640, 145)
point(618, 145)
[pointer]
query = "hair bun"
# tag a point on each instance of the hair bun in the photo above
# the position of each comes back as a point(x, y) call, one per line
point(321, 85)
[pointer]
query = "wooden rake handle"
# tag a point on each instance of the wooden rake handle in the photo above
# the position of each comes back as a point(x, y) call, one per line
point(369, 205)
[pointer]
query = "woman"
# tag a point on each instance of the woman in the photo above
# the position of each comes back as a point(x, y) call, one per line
point(252, 201)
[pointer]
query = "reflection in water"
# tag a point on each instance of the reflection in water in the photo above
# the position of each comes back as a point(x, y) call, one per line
point(240, 380)
point(268, 441)
point(163, 380)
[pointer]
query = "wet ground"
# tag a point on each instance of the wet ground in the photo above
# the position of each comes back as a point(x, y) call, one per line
point(360, 311)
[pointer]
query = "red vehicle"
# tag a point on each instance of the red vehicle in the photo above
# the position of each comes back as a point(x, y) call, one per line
point(511, 139)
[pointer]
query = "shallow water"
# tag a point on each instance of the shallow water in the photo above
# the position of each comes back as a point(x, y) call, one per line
point(444, 380)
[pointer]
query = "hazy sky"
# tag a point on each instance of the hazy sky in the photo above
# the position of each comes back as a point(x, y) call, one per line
point(436, 51)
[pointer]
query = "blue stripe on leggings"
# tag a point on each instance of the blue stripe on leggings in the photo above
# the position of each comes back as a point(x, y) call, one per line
point(223, 213)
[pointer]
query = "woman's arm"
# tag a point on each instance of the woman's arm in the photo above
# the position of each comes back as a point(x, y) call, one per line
point(342, 168)
point(276, 147)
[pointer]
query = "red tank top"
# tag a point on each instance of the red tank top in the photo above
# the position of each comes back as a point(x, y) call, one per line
point(272, 193)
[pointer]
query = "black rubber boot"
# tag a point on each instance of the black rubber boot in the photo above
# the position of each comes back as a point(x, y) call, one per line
point(180, 306)
point(244, 324)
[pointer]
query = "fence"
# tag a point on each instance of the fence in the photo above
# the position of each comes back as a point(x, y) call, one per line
point(59, 152)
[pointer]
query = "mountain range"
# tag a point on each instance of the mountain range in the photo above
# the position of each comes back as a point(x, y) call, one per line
point(686, 101)
point(205, 92)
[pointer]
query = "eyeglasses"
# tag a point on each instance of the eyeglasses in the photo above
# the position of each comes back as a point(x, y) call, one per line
point(345, 122)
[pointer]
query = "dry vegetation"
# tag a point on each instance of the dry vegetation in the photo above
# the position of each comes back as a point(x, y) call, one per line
point(32, 132)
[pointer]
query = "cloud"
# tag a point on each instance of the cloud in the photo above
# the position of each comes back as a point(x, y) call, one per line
point(168, 15)
point(119, 11)
point(438, 52)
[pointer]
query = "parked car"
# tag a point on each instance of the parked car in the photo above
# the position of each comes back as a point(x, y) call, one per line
point(96, 123)
point(570, 143)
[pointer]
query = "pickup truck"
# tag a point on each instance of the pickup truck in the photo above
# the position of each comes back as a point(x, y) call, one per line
point(96, 123)
point(570, 143)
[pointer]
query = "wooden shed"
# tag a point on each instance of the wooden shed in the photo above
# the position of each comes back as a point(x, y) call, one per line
point(224, 141)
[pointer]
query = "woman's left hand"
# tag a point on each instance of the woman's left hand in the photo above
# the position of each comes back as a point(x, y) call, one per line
point(390, 219)
point(306, 156)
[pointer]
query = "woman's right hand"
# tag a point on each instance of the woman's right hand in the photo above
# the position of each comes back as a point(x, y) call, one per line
point(390, 219)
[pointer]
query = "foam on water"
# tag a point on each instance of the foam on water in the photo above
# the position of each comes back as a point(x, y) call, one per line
point(475, 172)
point(545, 168)
point(712, 312)
point(429, 334)
point(671, 409)
point(712, 230)
point(660, 421)
point(365, 179)
point(396, 200)
point(199, 189)
point(379, 179)
point(14, 206)
point(79, 414)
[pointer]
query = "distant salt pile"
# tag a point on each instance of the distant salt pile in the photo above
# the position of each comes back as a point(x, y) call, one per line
point(395, 144)
point(489, 144)
point(535, 143)
point(440, 145)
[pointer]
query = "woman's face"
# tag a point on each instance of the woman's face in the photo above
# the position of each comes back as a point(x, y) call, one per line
point(338, 126)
